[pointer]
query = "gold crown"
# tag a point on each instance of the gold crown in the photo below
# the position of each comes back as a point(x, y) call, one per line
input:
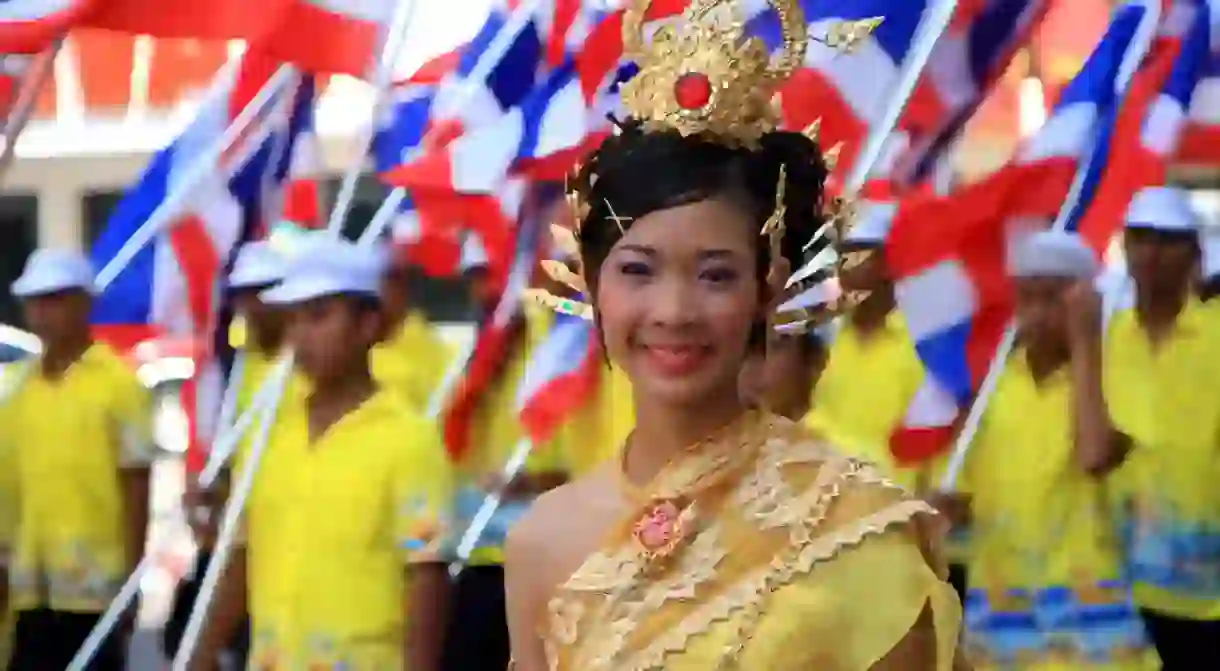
point(703, 76)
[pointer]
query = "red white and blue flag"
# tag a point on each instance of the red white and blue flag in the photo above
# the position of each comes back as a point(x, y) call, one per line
point(342, 36)
point(173, 286)
point(1154, 122)
point(1200, 144)
point(951, 280)
point(30, 26)
point(560, 377)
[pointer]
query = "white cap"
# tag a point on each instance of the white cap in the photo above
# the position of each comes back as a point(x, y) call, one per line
point(872, 224)
point(474, 255)
point(1052, 254)
point(326, 268)
point(1162, 208)
point(50, 271)
point(1209, 243)
point(258, 265)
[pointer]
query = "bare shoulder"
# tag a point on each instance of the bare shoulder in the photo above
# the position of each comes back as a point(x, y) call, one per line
point(550, 513)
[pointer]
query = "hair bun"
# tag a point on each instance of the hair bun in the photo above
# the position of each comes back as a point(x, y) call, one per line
point(806, 174)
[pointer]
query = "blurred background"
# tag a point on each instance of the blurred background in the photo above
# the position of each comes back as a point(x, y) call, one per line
point(113, 100)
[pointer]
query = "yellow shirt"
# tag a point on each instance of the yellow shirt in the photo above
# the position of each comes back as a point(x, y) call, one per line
point(495, 434)
point(865, 391)
point(1046, 561)
point(413, 362)
point(331, 529)
point(69, 438)
point(1168, 402)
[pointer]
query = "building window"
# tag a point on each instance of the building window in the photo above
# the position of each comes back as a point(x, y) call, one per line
point(96, 207)
point(19, 231)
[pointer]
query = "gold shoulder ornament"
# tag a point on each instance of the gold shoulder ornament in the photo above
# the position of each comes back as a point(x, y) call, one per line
point(703, 76)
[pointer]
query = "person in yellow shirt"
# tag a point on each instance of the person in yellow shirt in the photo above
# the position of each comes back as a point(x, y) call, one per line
point(872, 371)
point(782, 378)
point(1161, 369)
point(1046, 588)
point(343, 560)
point(260, 340)
point(477, 637)
point(413, 359)
point(79, 428)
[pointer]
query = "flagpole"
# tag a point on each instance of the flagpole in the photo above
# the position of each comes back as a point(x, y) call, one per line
point(496, 50)
point(27, 98)
point(199, 171)
point(1145, 33)
point(383, 78)
point(934, 23)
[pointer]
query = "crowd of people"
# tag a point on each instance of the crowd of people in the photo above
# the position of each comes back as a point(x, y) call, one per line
point(1089, 482)
point(725, 498)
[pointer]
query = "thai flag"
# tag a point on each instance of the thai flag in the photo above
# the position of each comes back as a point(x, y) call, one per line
point(1154, 121)
point(342, 36)
point(494, 72)
point(967, 61)
point(494, 342)
point(173, 286)
point(31, 26)
point(1200, 143)
point(846, 91)
point(560, 377)
point(948, 255)
point(400, 134)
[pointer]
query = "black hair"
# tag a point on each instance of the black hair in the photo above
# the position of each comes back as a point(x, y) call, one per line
point(637, 173)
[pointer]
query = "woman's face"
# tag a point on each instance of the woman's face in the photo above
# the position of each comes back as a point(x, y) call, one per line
point(676, 299)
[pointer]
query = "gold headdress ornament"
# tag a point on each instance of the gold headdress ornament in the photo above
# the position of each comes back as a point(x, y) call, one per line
point(703, 76)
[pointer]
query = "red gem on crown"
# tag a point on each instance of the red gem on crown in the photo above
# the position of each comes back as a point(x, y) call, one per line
point(693, 90)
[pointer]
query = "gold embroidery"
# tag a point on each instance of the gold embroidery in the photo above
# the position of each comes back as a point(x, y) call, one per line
point(763, 512)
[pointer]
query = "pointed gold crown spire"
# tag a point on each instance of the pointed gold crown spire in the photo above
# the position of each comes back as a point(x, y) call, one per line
point(704, 76)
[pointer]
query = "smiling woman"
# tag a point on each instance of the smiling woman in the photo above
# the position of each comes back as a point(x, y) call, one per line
point(698, 548)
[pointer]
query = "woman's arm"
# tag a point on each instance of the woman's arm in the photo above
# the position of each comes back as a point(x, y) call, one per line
point(523, 592)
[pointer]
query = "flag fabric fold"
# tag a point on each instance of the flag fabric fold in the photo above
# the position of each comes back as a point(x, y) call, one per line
point(951, 279)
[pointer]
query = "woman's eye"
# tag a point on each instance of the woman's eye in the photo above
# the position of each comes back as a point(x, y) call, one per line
point(719, 275)
point(634, 268)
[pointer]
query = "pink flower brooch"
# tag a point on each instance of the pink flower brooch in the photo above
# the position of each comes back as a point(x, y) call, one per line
point(660, 530)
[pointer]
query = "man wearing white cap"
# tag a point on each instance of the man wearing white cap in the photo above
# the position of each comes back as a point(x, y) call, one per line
point(413, 359)
point(1162, 363)
point(259, 266)
point(342, 559)
point(80, 431)
point(872, 371)
point(1035, 475)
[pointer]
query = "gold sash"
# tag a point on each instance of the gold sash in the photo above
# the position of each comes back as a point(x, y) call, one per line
point(762, 550)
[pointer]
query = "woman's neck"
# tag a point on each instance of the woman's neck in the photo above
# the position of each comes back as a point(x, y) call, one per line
point(662, 431)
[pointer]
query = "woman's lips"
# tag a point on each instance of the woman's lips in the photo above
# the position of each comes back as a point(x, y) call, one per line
point(676, 360)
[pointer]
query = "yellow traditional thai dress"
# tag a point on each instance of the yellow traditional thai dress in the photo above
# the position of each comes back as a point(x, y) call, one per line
point(764, 550)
